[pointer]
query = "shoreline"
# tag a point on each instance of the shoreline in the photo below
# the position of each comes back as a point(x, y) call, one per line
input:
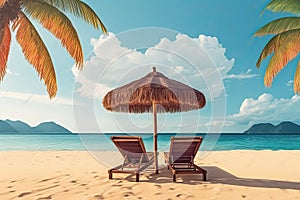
point(150, 134)
point(234, 174)
point(116, 151)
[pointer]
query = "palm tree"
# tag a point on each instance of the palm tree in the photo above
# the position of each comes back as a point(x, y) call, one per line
point(286, 42)
point(14, 16)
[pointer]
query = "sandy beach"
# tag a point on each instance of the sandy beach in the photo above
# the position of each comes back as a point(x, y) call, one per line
point(247, 174)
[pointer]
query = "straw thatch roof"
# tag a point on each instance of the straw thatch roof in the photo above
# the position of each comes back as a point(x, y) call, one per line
point(137, 96)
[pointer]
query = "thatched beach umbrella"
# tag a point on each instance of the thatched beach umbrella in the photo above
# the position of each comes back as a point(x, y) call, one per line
point(143, 95)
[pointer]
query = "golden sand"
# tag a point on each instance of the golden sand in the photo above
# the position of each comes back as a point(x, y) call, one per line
point(76, 175)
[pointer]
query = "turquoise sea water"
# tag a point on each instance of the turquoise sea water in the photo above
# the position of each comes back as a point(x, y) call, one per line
point(29, 142)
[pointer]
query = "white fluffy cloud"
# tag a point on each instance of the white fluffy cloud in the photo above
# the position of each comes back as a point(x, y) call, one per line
point(199, 62)
point(266, 108)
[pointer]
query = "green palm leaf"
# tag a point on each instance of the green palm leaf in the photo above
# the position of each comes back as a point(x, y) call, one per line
point(5, 39)
point(297, 79)
point(35, 52)
point(288, 50)
point(79, 9)
point(279, 26)
point(291, 6)
point(58, 24)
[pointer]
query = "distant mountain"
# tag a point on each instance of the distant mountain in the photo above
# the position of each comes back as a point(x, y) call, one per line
point(9, 126)
point(283, 127)
point(50, 127)
point(19, 126)
point(6, 128)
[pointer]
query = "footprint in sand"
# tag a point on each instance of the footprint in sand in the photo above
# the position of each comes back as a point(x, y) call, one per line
point(128, 194)
point(44, 180)
point(45, 198)
point(73, 181)
point(128, 187)
point(24, 194)
point(117, 183)
point(159, 186)
point(178, 195)
point(184, 196)
point(98, 196)
point(51, 178)
point(207, 187)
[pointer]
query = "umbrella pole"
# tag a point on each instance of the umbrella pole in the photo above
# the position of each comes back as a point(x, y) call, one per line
point(155, 136)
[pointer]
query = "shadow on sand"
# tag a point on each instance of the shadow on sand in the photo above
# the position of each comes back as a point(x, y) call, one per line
point(216, 175)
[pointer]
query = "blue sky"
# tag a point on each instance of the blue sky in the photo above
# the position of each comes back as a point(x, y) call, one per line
point(225, 27)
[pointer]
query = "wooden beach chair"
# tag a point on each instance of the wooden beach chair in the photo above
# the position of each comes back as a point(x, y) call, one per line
point(180, 158)
point(136, 159)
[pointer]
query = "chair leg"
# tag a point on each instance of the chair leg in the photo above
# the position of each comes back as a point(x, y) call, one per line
point(110, 176)
point(174, 177)
point(137, 177)
point(204, 176)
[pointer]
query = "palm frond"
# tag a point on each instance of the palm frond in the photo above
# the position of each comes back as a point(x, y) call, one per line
point(288, 50)
point(270, 47)
point(79, 9)
point(58, 24)
point(35, 52)
point(2, 2)
point(5, 38)
point(297, 79)
point(279, 26)
point(291, 6)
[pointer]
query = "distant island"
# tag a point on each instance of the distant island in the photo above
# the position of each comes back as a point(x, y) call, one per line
point(283, 127)
point(9, 126)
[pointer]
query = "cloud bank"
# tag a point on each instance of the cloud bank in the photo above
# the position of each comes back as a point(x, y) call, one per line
point(266, 108)
point(200, 62)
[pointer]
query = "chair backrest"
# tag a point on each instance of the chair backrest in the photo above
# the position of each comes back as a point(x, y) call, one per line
point(184, 149)
point(131, 147)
